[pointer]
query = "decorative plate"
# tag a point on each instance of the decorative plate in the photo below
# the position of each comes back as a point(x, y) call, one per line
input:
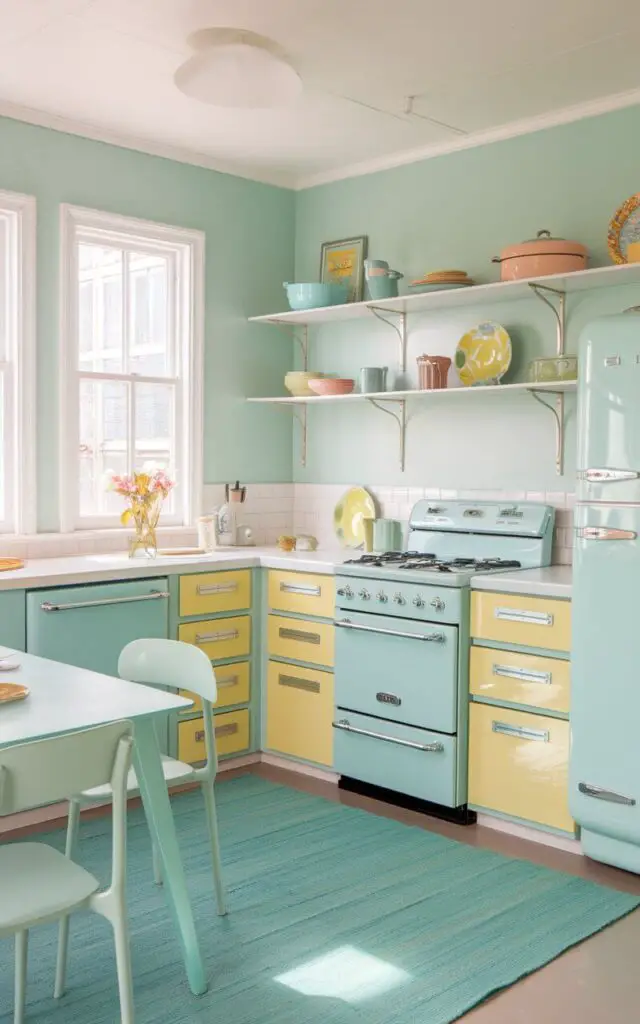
point(624, 228)
point(12, 691)
point(483, 355)
point(355, 505)
point(430, 286)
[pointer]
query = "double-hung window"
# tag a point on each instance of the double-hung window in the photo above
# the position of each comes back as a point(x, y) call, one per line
point(131, 363)
point(17, 371)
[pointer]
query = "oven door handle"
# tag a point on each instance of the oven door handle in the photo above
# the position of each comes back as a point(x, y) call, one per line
point(430, 748)
point(432, 638)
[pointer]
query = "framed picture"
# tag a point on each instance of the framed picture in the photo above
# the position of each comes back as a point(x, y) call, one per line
point(342, 262)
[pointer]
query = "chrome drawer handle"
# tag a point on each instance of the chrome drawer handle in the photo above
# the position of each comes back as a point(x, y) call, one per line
point(297, 683)
point(523, 675)
point(605, 533)
point(515, 615)
point(430, 748)
point(155, 595)
point(432, 638)
point(227, 682)
point(212, 638)
point(607, 476)
point(298, 588)
point(199, 737)
point(522, 733)
point(300, 635)
point(605, 794)
point(205, 590)
point(226, 730)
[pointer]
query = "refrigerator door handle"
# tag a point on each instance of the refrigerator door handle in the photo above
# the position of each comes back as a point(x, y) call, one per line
point(605, 533)
point(607, 476)
point(605, 794)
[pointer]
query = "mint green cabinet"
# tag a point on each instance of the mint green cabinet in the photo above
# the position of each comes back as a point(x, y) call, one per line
point(12, 619)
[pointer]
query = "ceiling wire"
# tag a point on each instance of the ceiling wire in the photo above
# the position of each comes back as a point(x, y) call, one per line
point(407, 112)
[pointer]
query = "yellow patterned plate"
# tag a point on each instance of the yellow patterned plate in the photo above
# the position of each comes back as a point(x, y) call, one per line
point(483, 355)
point(355, 505)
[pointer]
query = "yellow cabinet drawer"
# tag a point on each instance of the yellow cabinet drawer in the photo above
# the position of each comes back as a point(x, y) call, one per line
point(208, 592)
point(219, 638)
point(232, 736)
point(300, 712)
point(303, 593)
point(520, 678)
point(518, 765)
point(517, 619)
point(233, 682)
point(301, 640)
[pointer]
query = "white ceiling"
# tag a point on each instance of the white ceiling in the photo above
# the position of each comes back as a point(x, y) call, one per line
point(105, 68)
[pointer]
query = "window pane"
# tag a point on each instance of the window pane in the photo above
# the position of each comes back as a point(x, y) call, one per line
point(100, 275)
point(4, 289)
point(3, 468)
point(149, 352)
point(103, 444)
point(154, 427)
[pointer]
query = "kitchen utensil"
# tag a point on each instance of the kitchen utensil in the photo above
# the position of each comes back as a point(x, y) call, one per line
point(552, 368)
point(286, 543)
point(297, 382)
point(367, 529)
point(373, 379)
point(312, 295)
point(11, 563)
point(180, 552)
point(382, 283)
point(387, 535)
point(483, 355)
point(207, 532)
point(332, 385)
point(228, 515)
point(306, 542)
point(355, 505)
point(12, 691)
point(541, 255)
point(432, 371)
point(624, 231)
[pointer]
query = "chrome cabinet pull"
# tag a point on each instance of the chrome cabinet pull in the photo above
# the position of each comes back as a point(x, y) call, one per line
point(212, 638)
point(299, 588)
point(605, 533)
point(300, 635)
point(430, 748)
point(226, 730)
point(523, 675)
point(433, 638)
point(516, 615)
point(227, 682)
point(607, 476)
point(605, 794)
point(206, 589)
point(522, 733)
point(298, 683)
point(155, 595)
point(199, 737)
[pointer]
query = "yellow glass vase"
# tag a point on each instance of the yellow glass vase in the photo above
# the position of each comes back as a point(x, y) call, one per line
point(144, 516)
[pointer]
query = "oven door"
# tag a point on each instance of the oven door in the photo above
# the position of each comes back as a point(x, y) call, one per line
point(398, 669)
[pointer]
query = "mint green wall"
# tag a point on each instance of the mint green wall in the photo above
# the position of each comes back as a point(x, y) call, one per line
point(249, 253)
point(459, 210)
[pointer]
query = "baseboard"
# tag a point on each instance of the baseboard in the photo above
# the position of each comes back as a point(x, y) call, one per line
point(238, 762)
point(300, 767)
point(532, 835)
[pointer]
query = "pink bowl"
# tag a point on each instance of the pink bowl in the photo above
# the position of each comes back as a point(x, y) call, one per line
point(331, 386)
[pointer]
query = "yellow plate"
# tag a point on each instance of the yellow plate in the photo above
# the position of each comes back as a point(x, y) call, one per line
point(355, 505)
point(483, 355)
point(12, 691)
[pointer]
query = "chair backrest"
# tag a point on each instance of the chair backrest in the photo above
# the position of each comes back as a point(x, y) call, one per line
point(42, 772)
point(169, 663)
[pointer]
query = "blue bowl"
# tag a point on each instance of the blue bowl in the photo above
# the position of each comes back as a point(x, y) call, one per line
point(313, 295)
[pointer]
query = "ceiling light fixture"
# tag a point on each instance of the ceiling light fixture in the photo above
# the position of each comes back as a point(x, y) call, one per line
point(237, 69)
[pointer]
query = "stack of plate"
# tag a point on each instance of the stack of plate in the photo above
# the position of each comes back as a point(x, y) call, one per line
point(439, 280)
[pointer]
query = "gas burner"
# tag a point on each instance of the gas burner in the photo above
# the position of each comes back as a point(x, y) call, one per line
point(394, 558)
point(485, 564)
point(426, 561)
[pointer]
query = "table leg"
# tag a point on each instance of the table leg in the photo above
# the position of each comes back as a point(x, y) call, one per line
point(155, 798)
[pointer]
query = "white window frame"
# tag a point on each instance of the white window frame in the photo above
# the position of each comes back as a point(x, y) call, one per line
point(19, 214)
point(186, 248)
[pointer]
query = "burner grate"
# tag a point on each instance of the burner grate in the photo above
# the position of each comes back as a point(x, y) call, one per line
point(428, 561)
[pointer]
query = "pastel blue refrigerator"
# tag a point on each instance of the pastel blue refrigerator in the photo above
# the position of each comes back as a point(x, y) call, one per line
point(604, 776)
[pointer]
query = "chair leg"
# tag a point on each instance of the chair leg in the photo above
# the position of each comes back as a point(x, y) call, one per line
point(212, 823)
point(157, 864)
point(123, 963)
point(73, 824)
point(21, 949)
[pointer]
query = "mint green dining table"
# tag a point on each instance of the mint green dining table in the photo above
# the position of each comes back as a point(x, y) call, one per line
point(63, 699)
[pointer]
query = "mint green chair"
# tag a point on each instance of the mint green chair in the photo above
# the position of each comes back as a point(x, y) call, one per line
point(176, 665)
point(37, 883)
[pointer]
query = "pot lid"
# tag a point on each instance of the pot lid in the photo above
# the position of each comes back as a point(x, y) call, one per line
point(544, 236)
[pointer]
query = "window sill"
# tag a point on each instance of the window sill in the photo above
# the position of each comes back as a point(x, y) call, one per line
point(54, 545)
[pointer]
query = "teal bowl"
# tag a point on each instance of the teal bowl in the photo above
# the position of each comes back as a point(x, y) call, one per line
point(312, 295)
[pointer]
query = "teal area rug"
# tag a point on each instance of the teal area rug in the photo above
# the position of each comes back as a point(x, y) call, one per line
point(336, 917)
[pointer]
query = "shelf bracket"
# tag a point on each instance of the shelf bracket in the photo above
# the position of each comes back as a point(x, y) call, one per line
point(303, 341)
point(400, 328)
point(556, 307)
point(558, 415)
point(300, 413)
point(400, 418)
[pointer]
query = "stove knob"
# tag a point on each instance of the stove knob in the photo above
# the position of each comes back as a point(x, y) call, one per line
point(345, 591)
point(364, 595)
point(418, 601)
point(398, 598)
point(382, 597)
point(438, 604)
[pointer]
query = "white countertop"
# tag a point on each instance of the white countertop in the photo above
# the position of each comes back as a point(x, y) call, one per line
point(554, 581)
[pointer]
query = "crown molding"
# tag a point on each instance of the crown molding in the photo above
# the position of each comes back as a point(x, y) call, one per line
point(86, 130)
point(565, 115)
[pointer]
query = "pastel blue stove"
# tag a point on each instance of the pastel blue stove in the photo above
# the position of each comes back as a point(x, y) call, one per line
point(402, 647)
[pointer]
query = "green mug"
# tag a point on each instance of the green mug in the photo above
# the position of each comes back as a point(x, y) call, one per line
point(387, 535)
